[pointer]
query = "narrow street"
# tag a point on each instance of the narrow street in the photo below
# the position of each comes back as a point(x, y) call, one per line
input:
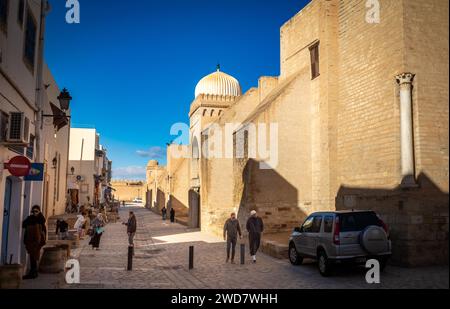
point(161, 261)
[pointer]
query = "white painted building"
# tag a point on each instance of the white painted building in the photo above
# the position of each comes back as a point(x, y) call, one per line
point(27, 88)
point(90, 169)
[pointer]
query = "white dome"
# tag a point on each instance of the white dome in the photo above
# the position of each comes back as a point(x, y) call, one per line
point(218, 83)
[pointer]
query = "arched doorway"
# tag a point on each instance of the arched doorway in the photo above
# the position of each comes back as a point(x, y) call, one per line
point(194, 192)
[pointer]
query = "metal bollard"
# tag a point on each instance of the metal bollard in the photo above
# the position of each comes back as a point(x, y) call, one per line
point(191, 257)
point(130, 257)
point(242, 254)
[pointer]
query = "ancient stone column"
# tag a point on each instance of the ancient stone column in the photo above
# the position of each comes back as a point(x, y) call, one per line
point(406, 128)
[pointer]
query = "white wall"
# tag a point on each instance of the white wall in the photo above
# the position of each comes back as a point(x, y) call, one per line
point(17, 94)
point(77, 136)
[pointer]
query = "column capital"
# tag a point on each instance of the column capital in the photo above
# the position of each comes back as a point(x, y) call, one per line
point(405, 78)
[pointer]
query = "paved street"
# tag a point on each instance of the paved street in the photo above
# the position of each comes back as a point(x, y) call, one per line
point(161, 261)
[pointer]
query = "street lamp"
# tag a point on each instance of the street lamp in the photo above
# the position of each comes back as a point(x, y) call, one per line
point(60, 118)
point(64, 99)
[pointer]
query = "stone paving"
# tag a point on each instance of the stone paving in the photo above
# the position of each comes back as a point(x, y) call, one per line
point(161, 261)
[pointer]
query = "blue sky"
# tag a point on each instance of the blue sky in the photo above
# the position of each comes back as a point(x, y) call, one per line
point(132, 66)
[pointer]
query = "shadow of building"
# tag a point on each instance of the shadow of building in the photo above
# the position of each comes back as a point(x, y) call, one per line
point(417, 219)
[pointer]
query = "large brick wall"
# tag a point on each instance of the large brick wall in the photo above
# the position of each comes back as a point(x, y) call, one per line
point(412, 36)
point(339, 133)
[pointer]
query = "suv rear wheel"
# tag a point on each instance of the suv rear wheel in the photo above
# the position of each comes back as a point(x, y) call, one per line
point(294, 257)
point(323, 263)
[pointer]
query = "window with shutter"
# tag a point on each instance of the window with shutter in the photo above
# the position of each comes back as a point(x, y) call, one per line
point(314, 51)
point(30, 40)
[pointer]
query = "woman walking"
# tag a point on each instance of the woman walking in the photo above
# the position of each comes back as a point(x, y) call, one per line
point(97, 227)
point(79, 225)
point(34, 239)
point(172, 215)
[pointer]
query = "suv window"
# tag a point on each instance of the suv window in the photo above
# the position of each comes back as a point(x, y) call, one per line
point(358, 221)
point(317, 222)
point(328, 224)
point(306, 227)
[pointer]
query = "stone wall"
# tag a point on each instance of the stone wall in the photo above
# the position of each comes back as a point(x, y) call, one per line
point(129, 190)
point(339, 133)
point(412, 36)
point(178, 170)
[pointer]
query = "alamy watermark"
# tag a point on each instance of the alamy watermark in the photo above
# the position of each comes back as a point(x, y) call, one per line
point(373, 275)
point(73, 12)
point(231, 141)
point(373, 12)
point(73, 272)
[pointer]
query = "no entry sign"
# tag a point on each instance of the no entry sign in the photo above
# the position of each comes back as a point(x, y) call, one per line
point(19, 166)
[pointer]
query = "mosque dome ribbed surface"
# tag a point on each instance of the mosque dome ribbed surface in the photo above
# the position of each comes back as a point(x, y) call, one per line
point(218, 83)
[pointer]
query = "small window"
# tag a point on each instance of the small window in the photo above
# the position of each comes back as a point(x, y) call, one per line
point(317, 222)
point(328, 224)
point(314, 51)
point(4, 5)
point(30, 40)
point(21, 12)
point(307, 226)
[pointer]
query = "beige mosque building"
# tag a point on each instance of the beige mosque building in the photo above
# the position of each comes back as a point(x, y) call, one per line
point(361, 114)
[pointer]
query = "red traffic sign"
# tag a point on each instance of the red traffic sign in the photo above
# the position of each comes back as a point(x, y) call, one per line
point(19, 166)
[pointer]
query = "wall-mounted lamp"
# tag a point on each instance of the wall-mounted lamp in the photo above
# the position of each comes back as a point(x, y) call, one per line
point(64, 99)
point(54, 162)
point(72, 170)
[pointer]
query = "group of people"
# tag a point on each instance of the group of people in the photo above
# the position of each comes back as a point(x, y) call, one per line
point(35, 234)
point(232, 230)
point(88, 224)
point(36, 231)
point(164, 214)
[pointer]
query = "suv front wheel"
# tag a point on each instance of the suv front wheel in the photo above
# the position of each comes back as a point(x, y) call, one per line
point(323, 263)
point(294, 257)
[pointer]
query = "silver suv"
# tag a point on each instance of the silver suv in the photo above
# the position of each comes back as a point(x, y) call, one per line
point(338, 237)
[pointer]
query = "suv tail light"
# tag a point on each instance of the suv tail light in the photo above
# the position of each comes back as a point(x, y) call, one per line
point(337, 232)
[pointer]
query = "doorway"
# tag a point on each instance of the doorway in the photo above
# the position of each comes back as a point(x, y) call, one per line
point(194, 208)
point(6, 219)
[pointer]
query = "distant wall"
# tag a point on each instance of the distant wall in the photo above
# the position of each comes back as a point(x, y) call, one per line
point(129, 190)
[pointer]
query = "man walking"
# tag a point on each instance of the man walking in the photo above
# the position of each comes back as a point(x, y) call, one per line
point(172, 215)
point(255, 227)
point(231, 230)
point(131, 228)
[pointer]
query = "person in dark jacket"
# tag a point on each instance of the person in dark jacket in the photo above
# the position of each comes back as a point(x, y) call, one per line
point(131, 228)
point(172, 215)
point(34, 239)
point(164, 213)
point(255, 227)
point(231, 229)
